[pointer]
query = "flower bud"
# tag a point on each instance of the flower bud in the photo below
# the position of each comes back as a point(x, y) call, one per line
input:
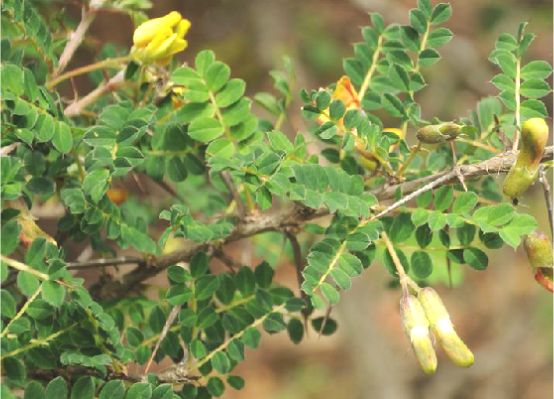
point(523, 173)
point(539, 252)
point(442, 328)
point(416, 327)
point(438, 134)
point(156, 40)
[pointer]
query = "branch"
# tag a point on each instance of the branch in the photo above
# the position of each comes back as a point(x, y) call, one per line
point(297, 217)
point(77, 37)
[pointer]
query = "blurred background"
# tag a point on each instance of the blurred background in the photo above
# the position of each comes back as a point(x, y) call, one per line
point(502, 314)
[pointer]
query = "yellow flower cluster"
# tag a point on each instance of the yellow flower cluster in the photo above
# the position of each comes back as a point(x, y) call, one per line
point(156, 40)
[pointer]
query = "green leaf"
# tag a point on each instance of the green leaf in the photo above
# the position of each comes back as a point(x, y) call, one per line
point(501, 214)
point(421, 264)
point(83, 389)
point(466, 233)
point(330, 293)
point(251, 337)
point(96, 184)
point(393, 105)
point(536, 70)
point(465, 202)
point(341, 278)
point(533, 109)
point(220, 363)
point(389, 264)
point(418, 20)
point(53, 293)
point(476, 258)
point(507, 62)
point(140, 390)
point(441, 13)
point(518, 226)
point(439, 37)
point(534, 88)
point(27, 283)
point(504, 83)
point(134, 336)
point(163, 391)
point(62, 139)
point(112, 390)
point(295, 329)
point(206, 286)
point(12, 79)
point(399, 77)
point(203, 61)
point(217, 75)
point(33, 390)
point(178, 295)
point(437, 220)
point(506, 42)
point(246, 281)
point(269, 103)
point(337, 109)
point(424, 235)
point(199, 264)
point(7, 304)
point(279, 141)
point(443, 198)
point(178, 274)
point(323, 99)
point(56, 389)
point(428, 57)
point(198, 349)
point(215, 386)
point(402, 228)
point(205, 129)
point(264, 274)
point(10, 237)
point(231, 93)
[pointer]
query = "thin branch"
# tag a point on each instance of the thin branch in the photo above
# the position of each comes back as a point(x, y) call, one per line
point(228, 180)
point(23, 267)
point(231, 264)
point(299, 265)
point(96, 263)
point(547, 195)
point(170, 319)
point(77, 37)
point(117, 81)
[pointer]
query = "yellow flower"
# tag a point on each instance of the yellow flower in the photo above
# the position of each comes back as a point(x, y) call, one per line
point(158, 39)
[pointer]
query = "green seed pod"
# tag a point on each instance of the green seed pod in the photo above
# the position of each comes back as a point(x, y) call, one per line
point(523, 173)
point(438, 134)
point(539, 252)
point(442, 328)
point(416, 327)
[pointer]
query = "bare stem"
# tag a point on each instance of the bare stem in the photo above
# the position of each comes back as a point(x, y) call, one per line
point(23, 267)
point(107, 63)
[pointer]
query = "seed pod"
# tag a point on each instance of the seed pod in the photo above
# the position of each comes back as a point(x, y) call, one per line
point(416, 327)
point(523, 173)
point(442, 328)
point(438, 134)
point(539, 252)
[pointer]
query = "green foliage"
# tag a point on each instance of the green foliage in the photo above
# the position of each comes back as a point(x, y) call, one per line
point(232, 175)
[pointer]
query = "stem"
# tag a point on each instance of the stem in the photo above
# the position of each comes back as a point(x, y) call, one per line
point(413, 153)
point(220, 119)
point(22, 311)
point(23, 267)
point(80, 167)
point(399, 267)
point(372, 69)
point(547, 196)
point(38, 342)
point(224, 345)
point(113, 84)
point(78, 36)
point(518, 104)
point(110, 62)
point(478, 144)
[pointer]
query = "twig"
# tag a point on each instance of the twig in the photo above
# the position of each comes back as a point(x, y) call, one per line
point(107, 63)
point(231, 264)
point(22, 311)
point(547, 195)
point(298, 262)
point(168, 323)
point(228, 181)
point(23, 267)
point(456, 166)
point(95, 263)
point(77, 37)
point(76, 108)
point(399, 267)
